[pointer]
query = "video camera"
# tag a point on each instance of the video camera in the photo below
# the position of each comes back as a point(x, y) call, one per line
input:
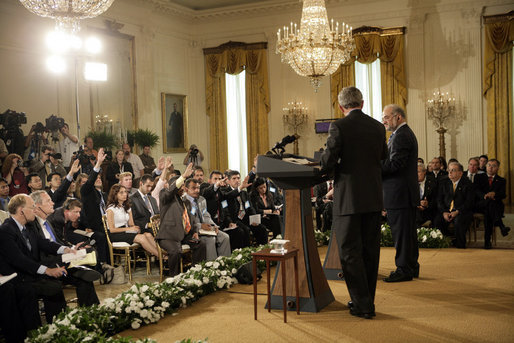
point(83, 157)
point(193, 152)
point(12, 119)
point(54, 123)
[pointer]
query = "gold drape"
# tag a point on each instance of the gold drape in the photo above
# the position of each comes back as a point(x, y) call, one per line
point(372, 43)
point(497, 88)
point(232, 58)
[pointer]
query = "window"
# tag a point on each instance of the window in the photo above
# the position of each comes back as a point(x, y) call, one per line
point(367, 79)
point(236, 122)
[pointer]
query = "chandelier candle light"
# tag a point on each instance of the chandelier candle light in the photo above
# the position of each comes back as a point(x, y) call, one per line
point(440, 108)
point(315, 49)
point(67, 13)
point(295, 117)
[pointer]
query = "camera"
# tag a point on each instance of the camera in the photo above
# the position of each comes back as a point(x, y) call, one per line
point(54, 123)
point(82, 156)
point(57, 156)
point(193, 151)
point(39, 128)
point(12, 119)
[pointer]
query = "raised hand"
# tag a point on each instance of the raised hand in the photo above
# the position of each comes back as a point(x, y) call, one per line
point(169, 162)
point(245, 183)
point(189, 170)
point(101, 156)
point(75, 167)
point(160, 163)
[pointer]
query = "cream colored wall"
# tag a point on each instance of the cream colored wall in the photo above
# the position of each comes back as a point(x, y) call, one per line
point(443, 50)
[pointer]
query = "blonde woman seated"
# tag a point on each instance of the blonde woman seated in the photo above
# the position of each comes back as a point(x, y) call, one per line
point(119, 221)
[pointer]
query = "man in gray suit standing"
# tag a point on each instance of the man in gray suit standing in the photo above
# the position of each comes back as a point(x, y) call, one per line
point(177, 225)
point(401, 193)
point(355, 147)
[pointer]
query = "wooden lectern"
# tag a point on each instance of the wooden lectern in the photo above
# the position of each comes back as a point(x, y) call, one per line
point(296, 179)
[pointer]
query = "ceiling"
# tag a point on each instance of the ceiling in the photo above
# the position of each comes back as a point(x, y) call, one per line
point(213, 4)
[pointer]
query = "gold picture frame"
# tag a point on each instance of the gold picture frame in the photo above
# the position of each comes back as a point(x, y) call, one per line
point(174, 122)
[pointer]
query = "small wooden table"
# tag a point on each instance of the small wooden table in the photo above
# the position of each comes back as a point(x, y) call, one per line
point(267, 256)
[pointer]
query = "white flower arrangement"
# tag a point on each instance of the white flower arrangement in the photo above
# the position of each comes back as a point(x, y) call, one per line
point(143, 304)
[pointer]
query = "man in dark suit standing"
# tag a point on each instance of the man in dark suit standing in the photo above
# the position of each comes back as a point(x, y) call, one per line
point(355, 147)
point(144, 205)
point(401, 192)
point(20, 247)
point(491, 192)
point(455, 203)
point(177, 225)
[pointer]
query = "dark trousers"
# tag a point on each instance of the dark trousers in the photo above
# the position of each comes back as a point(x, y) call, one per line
point(493, 214)
point(358, 238)
point(273, 223)
point(50, 290)
point(19, 312)
point(405, 238)
point(174, 249)
point(461, 224)
point(86, 293)
point(239, 237)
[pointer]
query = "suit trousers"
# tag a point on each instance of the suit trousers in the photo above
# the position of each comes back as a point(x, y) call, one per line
point(273, 223)
point(461, 224)
point(19, 312)
point(215, 246)
point(86, 293)
point(493, 213)
point(239, 237)
point(50, 290)
point(174, 249)
point(405, 238)
point(358, 239)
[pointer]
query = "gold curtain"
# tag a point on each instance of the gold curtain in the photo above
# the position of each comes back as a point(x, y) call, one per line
point(372, 43)
point(233, 58)
point(497, 88)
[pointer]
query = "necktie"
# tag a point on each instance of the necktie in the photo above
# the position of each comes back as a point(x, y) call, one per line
point(390, 138)
point(490, 181)
point(452, 203)
point(148, 205)
point(198, 213)
point(330, 186)
point(185, 221)
point(102, 203)
point(50, 232)
point(25, 234)
point(472, 177)
point(242, 211)
point(420, 190)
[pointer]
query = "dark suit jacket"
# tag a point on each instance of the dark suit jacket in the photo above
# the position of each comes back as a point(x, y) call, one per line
point(91, 199)
point(463, 197)
point(46, 258)
point(15, 252)
point(213, 199)
point(400, 170)
point(113, 169)
point(140, 211)
point(61, 193)
point(258, 204)
point(443, 174)
point(320, 190)
point(498, 186)
point(355, 147)
point(430, 194)
point(232, 211)
point(172, 209)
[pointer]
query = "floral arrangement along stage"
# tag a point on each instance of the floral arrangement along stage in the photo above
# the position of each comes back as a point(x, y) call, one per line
point(142, 304)
point(427, 237)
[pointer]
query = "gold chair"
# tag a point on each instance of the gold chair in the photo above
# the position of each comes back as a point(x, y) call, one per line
point(155, 222)
point(123, 250)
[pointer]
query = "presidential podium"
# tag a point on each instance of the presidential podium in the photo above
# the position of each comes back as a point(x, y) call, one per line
point(297, 178)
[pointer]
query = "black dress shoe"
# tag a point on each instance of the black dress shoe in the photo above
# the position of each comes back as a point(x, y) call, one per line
point(505, 230)
point(398, 277)
point(487, 245)
point(416, 272)
point(365, 315)
point(350, 304)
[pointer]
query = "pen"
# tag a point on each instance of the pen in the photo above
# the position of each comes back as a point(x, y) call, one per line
point(63, 272)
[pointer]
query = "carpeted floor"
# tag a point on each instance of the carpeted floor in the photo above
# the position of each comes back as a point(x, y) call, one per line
point(461, 296)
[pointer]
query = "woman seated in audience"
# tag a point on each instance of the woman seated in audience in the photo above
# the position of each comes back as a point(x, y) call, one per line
point(15, 174)
point(117, 166)
point(79, 182)
point(262, 201)
point(119, 221)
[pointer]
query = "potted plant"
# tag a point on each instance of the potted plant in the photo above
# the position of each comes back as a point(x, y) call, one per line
point(143, 138)
point(103, 139)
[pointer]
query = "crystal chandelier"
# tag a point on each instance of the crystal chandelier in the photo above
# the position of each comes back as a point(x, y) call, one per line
point(315, 49)
point(67, 13)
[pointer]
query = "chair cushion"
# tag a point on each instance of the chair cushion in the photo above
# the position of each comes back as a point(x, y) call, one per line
point(185, 247)
point(124, 245)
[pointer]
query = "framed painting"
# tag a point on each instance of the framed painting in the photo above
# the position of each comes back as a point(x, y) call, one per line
point(174, 122)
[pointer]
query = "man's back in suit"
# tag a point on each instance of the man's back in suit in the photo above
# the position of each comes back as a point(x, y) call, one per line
point(355, 147)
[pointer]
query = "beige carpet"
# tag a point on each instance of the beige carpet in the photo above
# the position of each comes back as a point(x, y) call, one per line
point(461, 296)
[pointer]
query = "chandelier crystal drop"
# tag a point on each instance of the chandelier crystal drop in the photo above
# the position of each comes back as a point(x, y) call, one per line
point(315, 49)
point(67, 13)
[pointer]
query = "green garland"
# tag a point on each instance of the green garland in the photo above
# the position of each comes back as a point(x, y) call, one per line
point(142, 304)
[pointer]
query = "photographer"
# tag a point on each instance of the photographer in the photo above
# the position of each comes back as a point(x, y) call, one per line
point(68, 145)
point(47, 164)
point(194, 155)
point(14, 173)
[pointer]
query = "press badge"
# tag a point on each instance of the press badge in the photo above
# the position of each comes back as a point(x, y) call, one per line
point(272, 189)
point(247, 204)
point(193, 211)
point(224, 204)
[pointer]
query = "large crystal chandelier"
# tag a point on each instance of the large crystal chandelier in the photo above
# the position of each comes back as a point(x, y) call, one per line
point(315, 49)
point(67, 13)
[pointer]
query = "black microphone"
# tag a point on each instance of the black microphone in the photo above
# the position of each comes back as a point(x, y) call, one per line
point(285, 141)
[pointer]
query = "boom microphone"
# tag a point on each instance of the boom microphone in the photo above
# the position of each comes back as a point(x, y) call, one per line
point(285, 141)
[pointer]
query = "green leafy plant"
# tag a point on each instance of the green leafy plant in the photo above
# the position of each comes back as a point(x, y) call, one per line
point(142, 138)
point(103, 139)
